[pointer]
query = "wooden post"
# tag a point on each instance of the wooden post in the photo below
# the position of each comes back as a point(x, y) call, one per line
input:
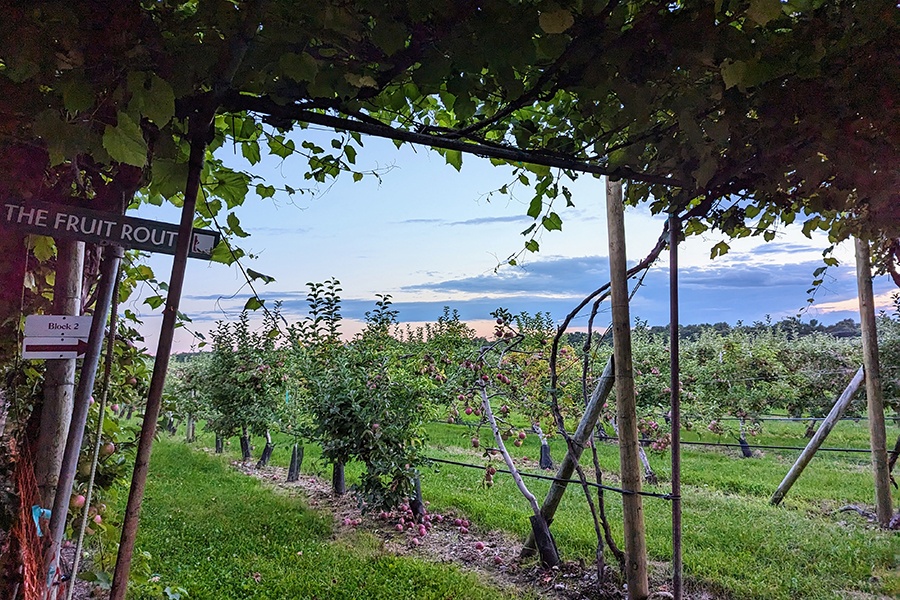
point(540, 529)
point(819, 438)
point(579, 440)
point(108, 275)
point(59, 375)
point(675, 408)
point(626, 413)
point(874, 393)
point(199, 128)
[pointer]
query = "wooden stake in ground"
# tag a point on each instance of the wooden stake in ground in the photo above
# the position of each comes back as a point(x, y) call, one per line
point(819, 438)
point(59, 375)
point(874, 394)
point(199, 128)
point(629, 462)
point(540, 530)
point(579, 440)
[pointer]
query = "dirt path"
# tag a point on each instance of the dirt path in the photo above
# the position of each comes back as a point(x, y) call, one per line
point(450, 538)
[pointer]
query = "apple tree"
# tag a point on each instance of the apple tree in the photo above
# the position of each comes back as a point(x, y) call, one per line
point(245, 380)
point(366, 398)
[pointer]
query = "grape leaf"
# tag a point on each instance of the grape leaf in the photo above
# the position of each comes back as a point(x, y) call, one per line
point(124, 142)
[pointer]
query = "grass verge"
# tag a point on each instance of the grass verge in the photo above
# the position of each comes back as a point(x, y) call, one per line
point(221, 535)
point(736, 544)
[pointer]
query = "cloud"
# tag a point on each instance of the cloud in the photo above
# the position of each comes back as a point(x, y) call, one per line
point(491, 220)
point(551, 277)
point(708, 294)
point(469, 222)
point(748, 276)
point(268, 231)
point(883, 301)
point(424, 221)
point(786, 248)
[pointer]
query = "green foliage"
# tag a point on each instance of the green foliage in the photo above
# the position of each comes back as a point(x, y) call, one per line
point(245, 377)
point(889, 355)
point(186, 390)
point(747, 371)
point(803, 549)
point(366, 401)
point(675, 97)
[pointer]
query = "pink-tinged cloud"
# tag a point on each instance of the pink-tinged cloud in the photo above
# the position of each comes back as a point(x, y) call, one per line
point(883, 301)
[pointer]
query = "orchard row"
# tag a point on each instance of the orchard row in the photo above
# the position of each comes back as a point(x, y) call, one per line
point(368, 399)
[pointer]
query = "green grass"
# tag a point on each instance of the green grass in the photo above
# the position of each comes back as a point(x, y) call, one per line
point(735, 543)
point(222, 535)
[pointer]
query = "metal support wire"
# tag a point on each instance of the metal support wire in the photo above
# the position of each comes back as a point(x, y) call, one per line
point(549, 478)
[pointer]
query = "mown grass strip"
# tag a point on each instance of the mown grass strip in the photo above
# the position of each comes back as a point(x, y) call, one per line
point(222, 535)
point(735, 543)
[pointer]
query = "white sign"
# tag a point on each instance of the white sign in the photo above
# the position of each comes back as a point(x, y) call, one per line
point(53, 348)
point(57, 326)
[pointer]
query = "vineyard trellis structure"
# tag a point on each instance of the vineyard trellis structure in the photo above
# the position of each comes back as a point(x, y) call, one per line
point(164, 349)
point(115, 86)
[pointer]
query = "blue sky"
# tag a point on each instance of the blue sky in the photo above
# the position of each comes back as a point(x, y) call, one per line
point(432, 237)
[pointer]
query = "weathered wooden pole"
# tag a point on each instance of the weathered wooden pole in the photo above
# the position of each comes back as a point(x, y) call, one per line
point(59, 375)
point(580, 438)
point(540, 529)
point(819, 438)
point(874, 393)
point(626, 414)
point(98, 434)
point(109, 270)
point(675, 408)
point(199, 127)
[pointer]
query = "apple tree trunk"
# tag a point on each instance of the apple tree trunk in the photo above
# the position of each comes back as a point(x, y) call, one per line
point(246, 454)
point(267, 451)
point(338, 484)
point(296, 463)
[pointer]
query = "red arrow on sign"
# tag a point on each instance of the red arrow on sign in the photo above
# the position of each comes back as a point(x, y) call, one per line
point(79, 347)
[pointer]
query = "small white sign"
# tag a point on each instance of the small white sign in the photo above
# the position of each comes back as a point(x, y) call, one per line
point(203, 243)
point(53, 348)
point(57, 326)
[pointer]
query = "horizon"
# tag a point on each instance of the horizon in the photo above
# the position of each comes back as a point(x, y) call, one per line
point(430, 237)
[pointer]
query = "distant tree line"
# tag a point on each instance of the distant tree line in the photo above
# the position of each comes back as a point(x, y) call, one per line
point(793, 327)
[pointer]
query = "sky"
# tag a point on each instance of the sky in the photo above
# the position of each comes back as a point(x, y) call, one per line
point(432, 237)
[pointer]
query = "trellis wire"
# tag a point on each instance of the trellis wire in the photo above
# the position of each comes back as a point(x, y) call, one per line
point(549, 478)
point(471, 424)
